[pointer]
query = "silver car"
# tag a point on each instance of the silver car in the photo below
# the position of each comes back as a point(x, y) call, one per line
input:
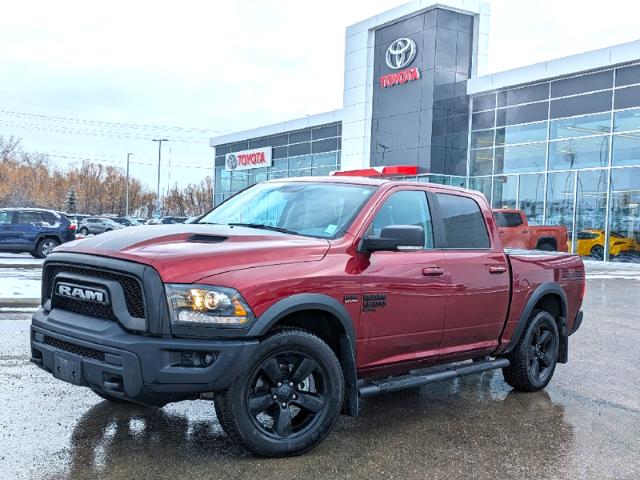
point(95, 225)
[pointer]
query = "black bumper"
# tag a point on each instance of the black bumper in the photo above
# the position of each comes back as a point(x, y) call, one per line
point(577, 322)
point(101, 355)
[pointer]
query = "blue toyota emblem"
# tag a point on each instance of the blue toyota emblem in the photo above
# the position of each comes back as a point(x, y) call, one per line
point(232, 161)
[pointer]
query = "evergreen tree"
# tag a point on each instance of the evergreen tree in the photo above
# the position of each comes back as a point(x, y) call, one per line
point(71, 201)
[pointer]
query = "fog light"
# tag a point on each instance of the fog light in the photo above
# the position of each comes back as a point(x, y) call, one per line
point(196, 359)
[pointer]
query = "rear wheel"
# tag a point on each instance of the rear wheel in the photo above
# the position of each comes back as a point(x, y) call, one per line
point(534, 359)
point(287, 398)
point(547, 247)
point(83, 231)
point(45, 247)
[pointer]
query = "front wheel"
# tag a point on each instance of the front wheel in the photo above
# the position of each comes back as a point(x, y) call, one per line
point(287, 398)
point(534, 359)
point(597, 252)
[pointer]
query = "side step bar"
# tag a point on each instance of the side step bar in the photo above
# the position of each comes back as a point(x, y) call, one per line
point(417, 380)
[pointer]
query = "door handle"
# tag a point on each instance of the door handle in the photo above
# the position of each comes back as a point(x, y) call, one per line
point(497, 268)
point(432, 271)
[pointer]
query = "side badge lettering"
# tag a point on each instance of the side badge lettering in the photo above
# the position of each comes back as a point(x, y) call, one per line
point(373, 301)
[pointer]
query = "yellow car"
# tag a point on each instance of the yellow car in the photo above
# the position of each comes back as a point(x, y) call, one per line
point(591, 244)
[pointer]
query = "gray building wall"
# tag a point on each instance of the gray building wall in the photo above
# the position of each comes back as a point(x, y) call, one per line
point(425, 122)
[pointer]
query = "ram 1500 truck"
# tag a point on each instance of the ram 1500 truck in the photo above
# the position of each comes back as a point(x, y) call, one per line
point(515, 232)
point(293, 300)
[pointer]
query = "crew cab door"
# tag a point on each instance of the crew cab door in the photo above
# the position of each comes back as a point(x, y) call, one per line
point(478, 273)
point(403, 292)
point(7, 232)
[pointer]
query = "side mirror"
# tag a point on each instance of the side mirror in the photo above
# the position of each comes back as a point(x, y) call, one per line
point(396, 238)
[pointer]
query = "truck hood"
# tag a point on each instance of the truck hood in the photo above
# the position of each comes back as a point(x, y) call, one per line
point(188, 253)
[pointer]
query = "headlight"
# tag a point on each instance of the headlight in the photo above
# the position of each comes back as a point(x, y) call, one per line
point(207, 306)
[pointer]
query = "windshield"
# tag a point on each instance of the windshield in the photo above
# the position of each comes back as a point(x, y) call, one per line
point(313, 209)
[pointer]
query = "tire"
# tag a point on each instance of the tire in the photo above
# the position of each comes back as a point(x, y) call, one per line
point(110, 398)
point(597, 252)
point(534, 359)
point(45, 247)
point(83, 231)
point(304, 375)
point(547, 247)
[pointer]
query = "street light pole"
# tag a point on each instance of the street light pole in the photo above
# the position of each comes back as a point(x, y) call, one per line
point(159, 140)
point(126, 207)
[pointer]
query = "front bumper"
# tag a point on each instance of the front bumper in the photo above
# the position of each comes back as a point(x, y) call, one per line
point(105, 357)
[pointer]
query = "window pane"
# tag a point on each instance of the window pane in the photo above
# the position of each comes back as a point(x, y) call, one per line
point(405, 208)
point(624, 218)
point(524, 114)
point(580, 126)
point(481, 139)
point(504, 191)
point(626, 149)
point(560, 199)
point(5, 217)
point(29, 217)
point(579, 153)
point(481, 184)
point(521, 158)
point(481, 121)
point(628, 75)
point(481, 161)
point(627, 97)
point(532, 197)
point(484, 102)
point(626, 120)
point(463, 222)
point(591, 205)
point(508, 219)
point(534, 132)
point(582, 84)
point(529, 94)
point(581, 105)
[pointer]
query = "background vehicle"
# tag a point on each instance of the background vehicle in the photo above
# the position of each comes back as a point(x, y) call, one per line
point(590, 243)
point(33, 230)
point(126, 221)
point(95, 225)
point(166, 220)
point(515, 232)
point(295, 298)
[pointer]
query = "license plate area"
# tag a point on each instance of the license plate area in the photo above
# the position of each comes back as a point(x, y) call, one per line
point(67, 368)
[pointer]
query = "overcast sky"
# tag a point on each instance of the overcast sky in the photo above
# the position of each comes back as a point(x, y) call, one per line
point(221, 66)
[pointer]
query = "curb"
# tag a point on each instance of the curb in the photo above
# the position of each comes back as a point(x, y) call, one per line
point(19, 302)
point(21, 265)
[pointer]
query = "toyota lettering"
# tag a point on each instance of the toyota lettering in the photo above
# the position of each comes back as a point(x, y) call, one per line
point(399, 55)
point(248, 159)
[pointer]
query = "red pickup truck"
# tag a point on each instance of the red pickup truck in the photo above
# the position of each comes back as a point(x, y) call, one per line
point(293, 300)
point(515, 232)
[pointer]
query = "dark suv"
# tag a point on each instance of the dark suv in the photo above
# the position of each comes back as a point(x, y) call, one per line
point(32, 230)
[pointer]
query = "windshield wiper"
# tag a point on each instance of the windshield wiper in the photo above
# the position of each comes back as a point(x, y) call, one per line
point(263, 227)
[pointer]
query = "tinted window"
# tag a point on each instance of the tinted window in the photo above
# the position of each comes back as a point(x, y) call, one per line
point(581, 126)
point(523, 95)
point(30, 217)
point(480, 121)
point(463, 222)
point(522, 133)
point(523, 114)
point(5, 217)
point(627, 97)
point(579, 153)
point(583, 104)
point(482, 139)
point(508, 219)
point(408, 207)
point(484, 102)
point(520, 158)
point(628, 75)
point(582, 84)
point(627, 120)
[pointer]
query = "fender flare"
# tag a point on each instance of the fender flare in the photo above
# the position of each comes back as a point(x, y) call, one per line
point(41, 236)
point(347, 341)
point(542, 290)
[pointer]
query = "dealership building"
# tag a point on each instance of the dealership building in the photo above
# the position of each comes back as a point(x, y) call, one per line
point(559, 139)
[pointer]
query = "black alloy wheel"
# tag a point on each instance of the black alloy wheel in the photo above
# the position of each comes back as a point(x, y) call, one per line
point(597, 252)
point(287, 398)
point(287, 394)
point(534, 359)
point(543, 351)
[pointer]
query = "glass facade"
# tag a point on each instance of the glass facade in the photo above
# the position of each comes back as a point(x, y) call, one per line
point(308, 152)
point(567, 152)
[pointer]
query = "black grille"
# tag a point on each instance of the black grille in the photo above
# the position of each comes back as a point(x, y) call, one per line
point(130, 286)
point(76, 349)
point(83, 307)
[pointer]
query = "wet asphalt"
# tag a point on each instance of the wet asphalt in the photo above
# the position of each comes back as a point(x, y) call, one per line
point(586, 424)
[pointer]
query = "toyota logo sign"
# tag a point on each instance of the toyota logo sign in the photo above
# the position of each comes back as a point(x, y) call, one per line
point(232, 161)
point(401, 53)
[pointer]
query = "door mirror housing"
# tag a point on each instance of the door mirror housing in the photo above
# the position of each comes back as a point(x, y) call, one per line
point(396, 238)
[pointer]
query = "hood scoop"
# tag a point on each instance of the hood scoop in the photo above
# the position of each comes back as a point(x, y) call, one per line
point(204, 238)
